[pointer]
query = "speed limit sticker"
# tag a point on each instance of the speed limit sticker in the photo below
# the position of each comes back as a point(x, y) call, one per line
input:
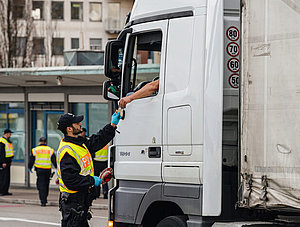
point(234, 80)
point(233, 65)
point(233, 33)
point(233, 49)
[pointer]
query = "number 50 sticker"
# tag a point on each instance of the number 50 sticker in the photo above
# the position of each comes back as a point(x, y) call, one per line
point(234, 80)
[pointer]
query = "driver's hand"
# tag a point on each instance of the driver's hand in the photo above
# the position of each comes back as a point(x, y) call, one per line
point(124, 101)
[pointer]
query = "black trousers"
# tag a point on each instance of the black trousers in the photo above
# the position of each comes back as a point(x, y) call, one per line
point(98, 168)
point(74, 210)
point(5, 179)
point(42, 183)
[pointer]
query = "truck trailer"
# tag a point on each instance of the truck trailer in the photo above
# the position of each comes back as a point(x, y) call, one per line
point(217, 144)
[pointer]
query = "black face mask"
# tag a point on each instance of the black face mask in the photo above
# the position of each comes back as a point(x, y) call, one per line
point(76, 133)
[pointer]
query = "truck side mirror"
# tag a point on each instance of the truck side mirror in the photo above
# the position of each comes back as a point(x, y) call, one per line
point(113, 59)
point(111, 90)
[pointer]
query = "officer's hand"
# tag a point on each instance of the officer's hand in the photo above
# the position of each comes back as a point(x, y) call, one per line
point(124, 101)
point(106, 175)
point(115, 118)
point(3, 165)
point(97, 180)
point(30, 170)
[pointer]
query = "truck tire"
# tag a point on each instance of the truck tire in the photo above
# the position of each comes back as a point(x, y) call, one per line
point(173, 221)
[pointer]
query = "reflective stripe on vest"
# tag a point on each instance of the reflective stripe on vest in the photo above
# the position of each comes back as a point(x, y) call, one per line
point(9, 150)
point(81, 155)
point(102, 155)
point(42, 156)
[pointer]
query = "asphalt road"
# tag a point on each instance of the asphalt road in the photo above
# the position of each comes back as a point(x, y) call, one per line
point(13, 215)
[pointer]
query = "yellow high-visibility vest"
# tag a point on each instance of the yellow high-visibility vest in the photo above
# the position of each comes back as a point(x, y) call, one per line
point(9, 150)
point(82, 156)
point(102, 155)
point(42, 156)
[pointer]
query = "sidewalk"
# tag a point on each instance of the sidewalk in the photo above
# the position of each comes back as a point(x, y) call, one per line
point(29, 196)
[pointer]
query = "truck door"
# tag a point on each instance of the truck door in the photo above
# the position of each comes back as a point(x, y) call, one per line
point(139, 145)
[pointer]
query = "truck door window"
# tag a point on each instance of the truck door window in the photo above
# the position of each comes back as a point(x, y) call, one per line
point(143, 61)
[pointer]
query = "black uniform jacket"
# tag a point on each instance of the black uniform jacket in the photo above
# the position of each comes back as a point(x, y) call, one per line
point(3, 159)
point(70, 170)
point(32, 159)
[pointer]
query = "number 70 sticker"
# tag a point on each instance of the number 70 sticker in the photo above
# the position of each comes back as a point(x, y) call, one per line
point(233, 49)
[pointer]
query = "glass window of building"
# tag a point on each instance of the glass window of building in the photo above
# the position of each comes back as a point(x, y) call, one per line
point(81, 109)
point(57, 46)
point(38, 10)
point(57, 10)
point(3, 125)
point(12, 117)
point(74, 43)
point(45, 125)
point(20, 44)
point(38, 46)
point(113, 18)
point(95, 44)
point(76, 11)
point(95, 11)
point(95, 115)
point(18, 9)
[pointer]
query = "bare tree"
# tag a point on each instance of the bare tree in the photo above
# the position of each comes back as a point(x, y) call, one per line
point(16, 52)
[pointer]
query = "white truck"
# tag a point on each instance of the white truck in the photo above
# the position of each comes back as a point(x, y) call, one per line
point(205, 148)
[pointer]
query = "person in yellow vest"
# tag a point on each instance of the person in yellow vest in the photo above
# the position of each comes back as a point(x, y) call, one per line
point(100, 163)
point(75, 168)
point(41, 157)
point(6, 156)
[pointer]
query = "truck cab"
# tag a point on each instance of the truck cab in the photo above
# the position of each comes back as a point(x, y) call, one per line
point(175, 159)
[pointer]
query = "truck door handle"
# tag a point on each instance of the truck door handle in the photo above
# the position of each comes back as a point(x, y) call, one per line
point(154, 152)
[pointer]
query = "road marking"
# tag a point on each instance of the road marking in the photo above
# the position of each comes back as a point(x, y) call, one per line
point(30, 221)
point(100, 217)
point(12, 206)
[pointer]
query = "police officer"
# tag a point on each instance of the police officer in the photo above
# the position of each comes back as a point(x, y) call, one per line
point(100, 163)
point(75, 168)
point(6, 156)
point(41, 157)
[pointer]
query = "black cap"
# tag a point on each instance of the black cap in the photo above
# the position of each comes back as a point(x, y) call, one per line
point(7, 131)
point(43, 140)
point(67, 120)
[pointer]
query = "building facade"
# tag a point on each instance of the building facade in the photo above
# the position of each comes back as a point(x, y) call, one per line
point(46, 28)
point(33, 98)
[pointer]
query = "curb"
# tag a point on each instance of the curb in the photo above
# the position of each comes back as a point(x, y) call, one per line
point(51, 203)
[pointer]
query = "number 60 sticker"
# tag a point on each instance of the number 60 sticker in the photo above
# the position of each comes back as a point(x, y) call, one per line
point(234, 80)
point(233, 65)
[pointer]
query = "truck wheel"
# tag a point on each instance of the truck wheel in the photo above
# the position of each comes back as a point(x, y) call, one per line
point(173, 221)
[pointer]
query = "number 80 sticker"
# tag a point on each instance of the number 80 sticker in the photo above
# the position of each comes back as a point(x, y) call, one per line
point(233, 33)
